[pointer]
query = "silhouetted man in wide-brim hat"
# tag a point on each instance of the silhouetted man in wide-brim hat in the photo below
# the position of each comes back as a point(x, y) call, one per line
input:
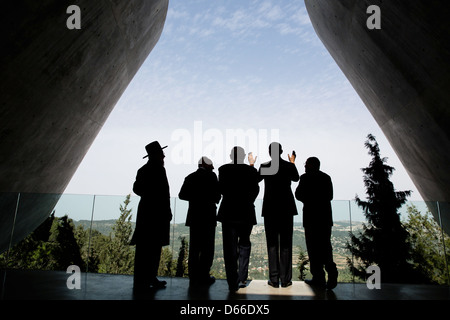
point(153, 218)
point(154, 149)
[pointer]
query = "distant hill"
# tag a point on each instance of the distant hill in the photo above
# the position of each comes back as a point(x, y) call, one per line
point(103, 226)
point(340, 236)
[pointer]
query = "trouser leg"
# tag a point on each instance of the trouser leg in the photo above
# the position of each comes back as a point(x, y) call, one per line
point(141, 262)
point(146, 264)
point(207, 251)
point(272, 250)
point(330, 266)
point(245, 246)
point(286, 232)
point(313, 245)
point(194, 253)
point(155, 257)
point(230, 253)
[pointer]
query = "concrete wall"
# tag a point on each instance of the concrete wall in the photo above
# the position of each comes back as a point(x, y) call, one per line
point(58, 87)
point(402, 74)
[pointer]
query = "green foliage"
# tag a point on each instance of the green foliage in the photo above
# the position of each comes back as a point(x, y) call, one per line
point(427, 242)
point(303, 261)
point(182, 262)
point(118, 255)
point(56, 244)
point(52, 246)
point(383, 240)
point(166, 263)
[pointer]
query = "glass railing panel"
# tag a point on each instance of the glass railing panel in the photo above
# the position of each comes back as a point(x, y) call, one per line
point(444, 223)
point(428, 240)
point(258, 265)
point(89, 222)
point(79, 211)
point(113, 224)
point(340, 237)
point(179, 242)
point(9, 205)
point(29, 243)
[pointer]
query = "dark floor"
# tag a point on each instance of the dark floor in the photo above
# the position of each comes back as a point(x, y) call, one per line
point(105, 296)
point(52, 285)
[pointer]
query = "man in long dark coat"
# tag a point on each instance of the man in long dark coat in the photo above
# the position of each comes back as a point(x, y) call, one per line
point(315, 190)
point(153, 219)
point(278, 211)
point(239, 187)
point(201, 189)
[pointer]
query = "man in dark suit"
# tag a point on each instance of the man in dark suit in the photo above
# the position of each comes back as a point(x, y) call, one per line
point(315, 190)
point(201, 189)
point(153, 219)
point(238, 184)
point(278, 211)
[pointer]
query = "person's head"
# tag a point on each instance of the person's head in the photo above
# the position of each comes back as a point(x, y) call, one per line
point(155, 152)
point(205, 163)
point(312, 164)
point(275, 148)
point(237, 155)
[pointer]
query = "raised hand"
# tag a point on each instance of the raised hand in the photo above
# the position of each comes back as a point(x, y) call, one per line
point(251, 160)
point(292, 158)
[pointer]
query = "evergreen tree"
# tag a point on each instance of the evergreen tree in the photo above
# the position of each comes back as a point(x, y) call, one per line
point(64, 247)
point(383, 241)
point(52, 246)
point(182, 262)
point(118, 257)
point(24, 254)
point(166, 264)
point(303, 261)
point(428, 242)
point(90, 249)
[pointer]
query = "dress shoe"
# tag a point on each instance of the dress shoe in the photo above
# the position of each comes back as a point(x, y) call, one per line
point(209, 280)
point(332, 283)
point(273, 284)
point(316, 283)
point(157, 284)
point(287, 284)
point(233, 288)
point(141, 290)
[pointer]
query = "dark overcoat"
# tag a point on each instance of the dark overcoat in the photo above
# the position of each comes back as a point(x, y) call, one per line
point(201, 189)
point(278, 198)
point(315, 190)
point(239, 187)
point(154, 213)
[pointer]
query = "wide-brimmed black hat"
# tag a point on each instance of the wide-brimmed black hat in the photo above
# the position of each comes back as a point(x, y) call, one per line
point(153, 148)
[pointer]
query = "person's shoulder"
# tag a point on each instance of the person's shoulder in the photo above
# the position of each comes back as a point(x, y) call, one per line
point(224, 167)
point(266, 164)
point(251, 169)
point(206, 173)
point(192, 175)
point(143, 169)
point(287, 163)
point(325, 175)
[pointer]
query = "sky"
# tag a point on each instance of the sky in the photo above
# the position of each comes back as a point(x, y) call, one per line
point(228, 73)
